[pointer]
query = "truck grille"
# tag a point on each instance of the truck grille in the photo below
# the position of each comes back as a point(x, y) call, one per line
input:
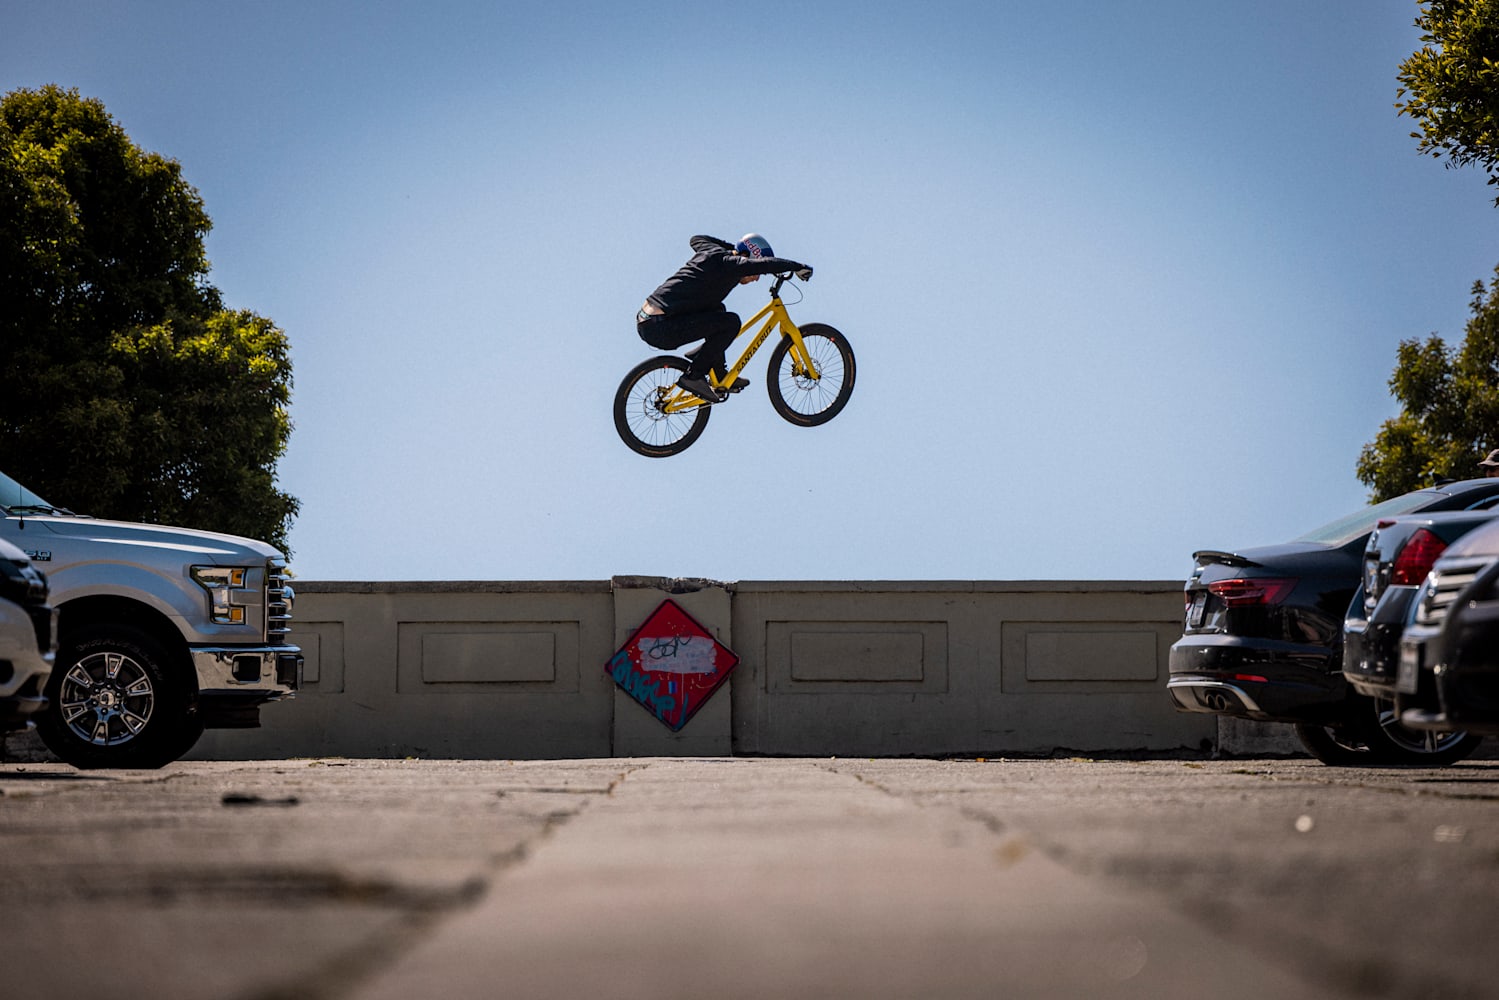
point(278, 601)
point(1441, 590)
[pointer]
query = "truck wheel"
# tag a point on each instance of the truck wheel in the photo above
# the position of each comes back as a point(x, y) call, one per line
point(113, 702)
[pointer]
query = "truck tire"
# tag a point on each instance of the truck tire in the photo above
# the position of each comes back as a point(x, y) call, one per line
point(115, 702)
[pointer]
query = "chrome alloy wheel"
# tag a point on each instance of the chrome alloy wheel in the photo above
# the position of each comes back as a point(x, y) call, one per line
point(107, 699)
point(1414, 740)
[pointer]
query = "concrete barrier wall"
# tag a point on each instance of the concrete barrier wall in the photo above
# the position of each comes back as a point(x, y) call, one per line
point(863, 668)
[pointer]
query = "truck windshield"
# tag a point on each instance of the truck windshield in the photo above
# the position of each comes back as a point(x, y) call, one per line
point(17, 499)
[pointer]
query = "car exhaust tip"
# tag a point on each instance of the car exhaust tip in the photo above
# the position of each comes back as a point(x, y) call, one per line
point(1212, 697)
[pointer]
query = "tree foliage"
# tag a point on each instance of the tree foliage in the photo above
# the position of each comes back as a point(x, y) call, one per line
point(1450, 87)
point(129, 391)
point(1449, 401)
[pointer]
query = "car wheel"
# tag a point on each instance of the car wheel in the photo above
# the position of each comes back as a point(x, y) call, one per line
point(1392, 743)
point(1374, 737)
point(114, 702)
point(1337, 746)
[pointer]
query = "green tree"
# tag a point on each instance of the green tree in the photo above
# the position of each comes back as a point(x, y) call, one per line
point(129, 391)
point(1451, 85)
point(1449, 399)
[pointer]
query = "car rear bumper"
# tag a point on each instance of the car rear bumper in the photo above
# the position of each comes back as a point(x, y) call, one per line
point(1254, 679)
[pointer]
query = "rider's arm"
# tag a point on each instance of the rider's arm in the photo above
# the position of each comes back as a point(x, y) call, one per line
point(764, 265)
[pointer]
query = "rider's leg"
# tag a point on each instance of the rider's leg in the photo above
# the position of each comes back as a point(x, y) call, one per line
point(715, 328)
point(718, 331)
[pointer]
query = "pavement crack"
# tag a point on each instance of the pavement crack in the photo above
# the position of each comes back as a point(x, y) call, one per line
point(1409, 790)
point(423, 913)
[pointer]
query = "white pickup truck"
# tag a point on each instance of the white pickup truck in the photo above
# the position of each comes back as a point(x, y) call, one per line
point(161, 632)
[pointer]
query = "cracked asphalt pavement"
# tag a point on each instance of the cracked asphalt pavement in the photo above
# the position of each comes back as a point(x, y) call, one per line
point(735, 877)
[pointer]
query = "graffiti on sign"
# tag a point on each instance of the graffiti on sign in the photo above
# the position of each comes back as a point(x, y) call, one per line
point(671, 665)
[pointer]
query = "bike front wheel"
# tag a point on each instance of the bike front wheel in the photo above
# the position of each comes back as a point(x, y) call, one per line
point(646, 409)
point(811, 390)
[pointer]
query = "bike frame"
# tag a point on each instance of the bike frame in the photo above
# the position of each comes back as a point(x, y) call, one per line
point(774, 314)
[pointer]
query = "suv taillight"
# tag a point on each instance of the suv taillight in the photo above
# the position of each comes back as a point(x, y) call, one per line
point(1251, 591)
point(1416, 558)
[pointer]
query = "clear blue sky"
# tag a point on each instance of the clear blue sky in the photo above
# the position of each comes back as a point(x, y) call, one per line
point(1124, 279)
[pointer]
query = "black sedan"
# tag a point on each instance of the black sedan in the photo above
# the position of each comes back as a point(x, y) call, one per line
point(1448, 677)
point(1263, 632)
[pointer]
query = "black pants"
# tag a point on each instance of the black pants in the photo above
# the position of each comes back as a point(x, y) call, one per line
point(716, 329)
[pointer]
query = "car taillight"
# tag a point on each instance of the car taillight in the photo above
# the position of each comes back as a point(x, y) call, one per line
point(1251, 591)
point(1416, 558)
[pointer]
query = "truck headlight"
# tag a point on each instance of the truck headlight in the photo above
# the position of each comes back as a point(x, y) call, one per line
point(227, 593)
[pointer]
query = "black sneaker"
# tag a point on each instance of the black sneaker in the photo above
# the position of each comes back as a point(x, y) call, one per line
point(740, 384)
point(699, 386)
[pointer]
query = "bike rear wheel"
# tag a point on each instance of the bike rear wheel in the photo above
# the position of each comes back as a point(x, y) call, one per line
point(640, 416)
point(811, 397)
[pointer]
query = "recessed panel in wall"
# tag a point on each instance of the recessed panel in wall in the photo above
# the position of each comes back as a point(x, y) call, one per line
point(322, 645)
point(459, 656)
point(1062, 656)
point(874, 656)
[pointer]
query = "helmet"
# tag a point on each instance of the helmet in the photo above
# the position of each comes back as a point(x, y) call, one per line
point(753, 245)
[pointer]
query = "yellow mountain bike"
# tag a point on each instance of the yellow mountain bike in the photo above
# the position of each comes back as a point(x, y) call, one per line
point(809, 380)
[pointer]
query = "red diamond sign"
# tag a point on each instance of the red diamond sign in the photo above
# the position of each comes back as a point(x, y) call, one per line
point(671, 665)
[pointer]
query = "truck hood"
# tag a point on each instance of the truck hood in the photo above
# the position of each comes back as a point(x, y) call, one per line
point(209, 546)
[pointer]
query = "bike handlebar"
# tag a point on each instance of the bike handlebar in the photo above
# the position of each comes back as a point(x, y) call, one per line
point(781, 279)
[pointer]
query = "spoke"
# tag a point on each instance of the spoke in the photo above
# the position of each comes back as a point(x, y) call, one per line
point(101, 731)
point(79, 676)
point(140, 688)
point(72, 710)
point(135, 723)
point(112, 664)
point(811, 384)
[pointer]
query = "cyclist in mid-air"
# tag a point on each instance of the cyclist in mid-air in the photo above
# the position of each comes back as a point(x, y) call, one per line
point(689, 306)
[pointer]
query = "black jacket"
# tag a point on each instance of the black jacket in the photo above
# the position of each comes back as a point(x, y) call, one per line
point(707, 279)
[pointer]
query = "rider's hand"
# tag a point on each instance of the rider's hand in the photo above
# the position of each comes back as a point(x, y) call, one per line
point(804, 273)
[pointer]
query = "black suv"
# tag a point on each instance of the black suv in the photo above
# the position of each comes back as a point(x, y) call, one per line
point(1448, 675)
